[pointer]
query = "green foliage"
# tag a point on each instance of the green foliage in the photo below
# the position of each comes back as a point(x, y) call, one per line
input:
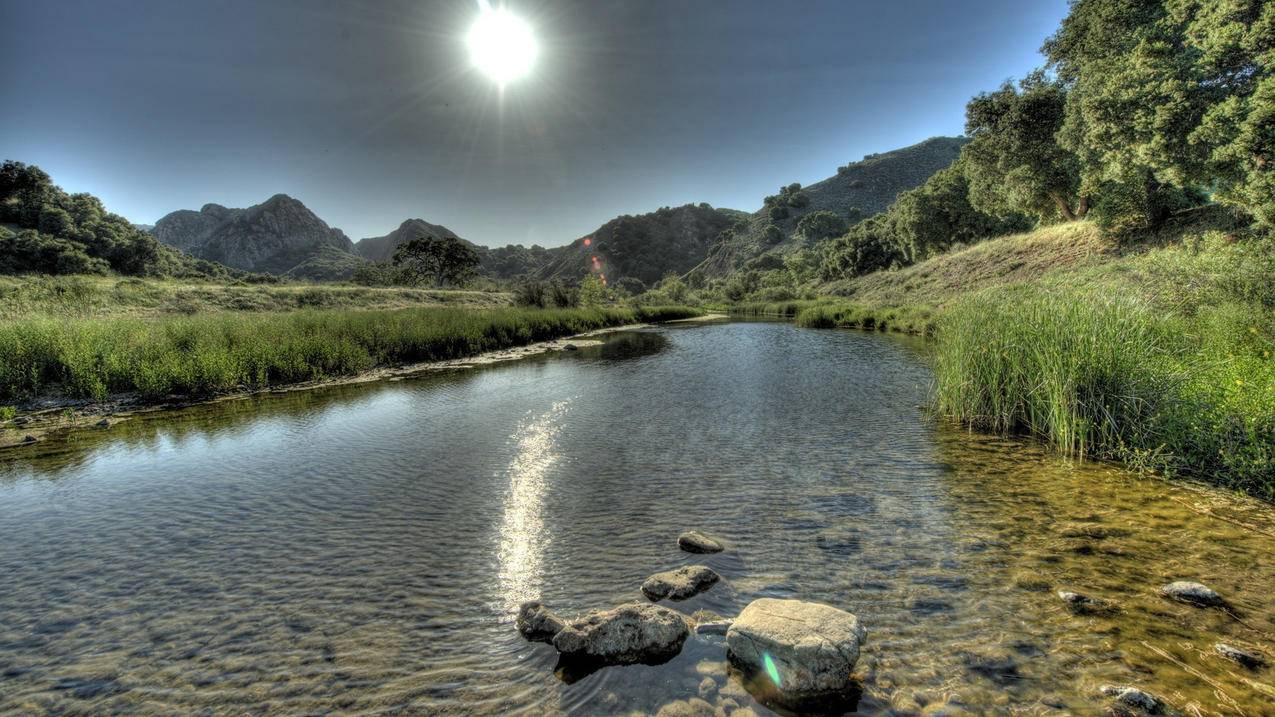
point(7, 413)
point(778, 212)
point(1111, 376)
point(379, 273)
point(592, 291)
point(1176, 93)
point(208, 354)
point(817, 226)
point(62, 233)
point(1013, 162)
point(772, 234)
point(922, 222)
point(437, 260)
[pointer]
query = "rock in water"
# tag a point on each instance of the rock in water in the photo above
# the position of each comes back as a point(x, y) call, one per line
point(681, 583)
point(1132, 697)
point(538, 623)
point(693, 541)
point(637, 632)
point(1081, 604)
point(807, 649)
point(1251, 660)
point(1192, 593)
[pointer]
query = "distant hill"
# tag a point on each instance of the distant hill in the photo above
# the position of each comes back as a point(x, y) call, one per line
point(645, 247)
point(857, 191)
point(382, 248)
point(279, 236)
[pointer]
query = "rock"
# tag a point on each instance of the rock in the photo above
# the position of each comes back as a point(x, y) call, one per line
point(637, 632)
point(715, 627)
point(537, 622)
point(1079, 603)
point(1251, 660)
point(104, 423)
point(707, 687)
point(570, 347)
point(1132, 697)
point(745, 712)
point(1192, 593)
point(29, 438)
point(21, 420)
point(693, 541)
point(681, 583)
point(811, 648)
point(694, 707)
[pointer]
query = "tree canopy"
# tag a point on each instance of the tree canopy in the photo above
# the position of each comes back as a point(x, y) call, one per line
point(438, 261)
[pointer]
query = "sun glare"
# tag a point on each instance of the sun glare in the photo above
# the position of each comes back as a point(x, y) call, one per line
point(502, 45)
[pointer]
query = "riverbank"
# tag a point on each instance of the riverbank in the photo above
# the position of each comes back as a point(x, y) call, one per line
point(1156, 353)
point(121, 361)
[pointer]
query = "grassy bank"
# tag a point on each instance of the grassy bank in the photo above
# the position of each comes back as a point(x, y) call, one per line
point(96, 296)
point(1158, 354)
point(206, 354)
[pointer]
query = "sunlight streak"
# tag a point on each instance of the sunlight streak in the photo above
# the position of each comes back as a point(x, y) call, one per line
point(523, 534)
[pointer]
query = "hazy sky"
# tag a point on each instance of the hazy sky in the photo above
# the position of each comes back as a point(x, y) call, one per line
point(370, 113)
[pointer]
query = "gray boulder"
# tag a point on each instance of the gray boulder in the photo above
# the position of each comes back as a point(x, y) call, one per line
point(637, 632)
point(1081, 604)
point(537, 622)
point(808, 650)
point(1127, 696)
point(681, 583)
point(1191, 593)
point(1251, 660)
point(693, 541)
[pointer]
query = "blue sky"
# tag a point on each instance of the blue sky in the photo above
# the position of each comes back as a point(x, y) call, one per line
point(370, 113)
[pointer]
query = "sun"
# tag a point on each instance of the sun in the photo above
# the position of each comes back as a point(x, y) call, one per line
point(502, 45)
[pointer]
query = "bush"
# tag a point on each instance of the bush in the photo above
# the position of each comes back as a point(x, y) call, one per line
point(531, 294)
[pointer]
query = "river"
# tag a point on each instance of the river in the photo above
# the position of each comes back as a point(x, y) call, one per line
point(364, 548)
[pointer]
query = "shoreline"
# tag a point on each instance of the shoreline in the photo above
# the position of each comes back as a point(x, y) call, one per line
point(51, 415)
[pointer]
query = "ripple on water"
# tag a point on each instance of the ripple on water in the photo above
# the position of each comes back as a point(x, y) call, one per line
point(363, 548)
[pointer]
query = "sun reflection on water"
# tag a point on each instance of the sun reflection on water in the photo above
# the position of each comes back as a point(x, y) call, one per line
point(523, 536)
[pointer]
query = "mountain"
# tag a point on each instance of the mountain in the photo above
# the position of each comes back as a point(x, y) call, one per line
point(857, 191)
point(645, 247)
point(382, 248)
point(279, 236)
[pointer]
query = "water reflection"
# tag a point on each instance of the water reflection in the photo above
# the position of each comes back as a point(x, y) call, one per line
point(523, 536)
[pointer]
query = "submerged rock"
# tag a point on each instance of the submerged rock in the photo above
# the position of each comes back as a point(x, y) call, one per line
point(1192, 593)
point(570, 347)
point(693, 541)
point(681, 583)
point(104, 423)
point(708, 622)
point(1132, 697)
point(29, 438)
point(807, 650)
point(1081, 604)
point(694, 707)
point(537, 622)
point(1246, 658)
point(633, 633)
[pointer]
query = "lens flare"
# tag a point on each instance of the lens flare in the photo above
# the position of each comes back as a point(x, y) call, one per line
point(588, 242)
point(771, 670)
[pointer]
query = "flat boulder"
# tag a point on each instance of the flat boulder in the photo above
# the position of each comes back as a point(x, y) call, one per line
point(628, 634)
point(1127, 696)
point(806, 650)
point(693, 541)
point(1082, 604)
point(681, 583)
point(1251, 660)
point(1192, 593)
point(537, 622)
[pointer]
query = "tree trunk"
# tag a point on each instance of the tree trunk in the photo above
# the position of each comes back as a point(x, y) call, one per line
point(1062, 207)
point(1083, 208)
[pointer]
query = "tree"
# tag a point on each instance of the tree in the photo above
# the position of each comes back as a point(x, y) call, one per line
point(592, 291)
point(820, 225)
point(1167, 97)
point(1013, 162)
point(439, 261)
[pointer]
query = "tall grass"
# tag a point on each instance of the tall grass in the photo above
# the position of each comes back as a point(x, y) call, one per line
point(212, 353)
point(906, 319)
point(1114, 376)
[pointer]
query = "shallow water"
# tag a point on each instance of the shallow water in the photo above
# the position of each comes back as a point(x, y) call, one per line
point(364, 548)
